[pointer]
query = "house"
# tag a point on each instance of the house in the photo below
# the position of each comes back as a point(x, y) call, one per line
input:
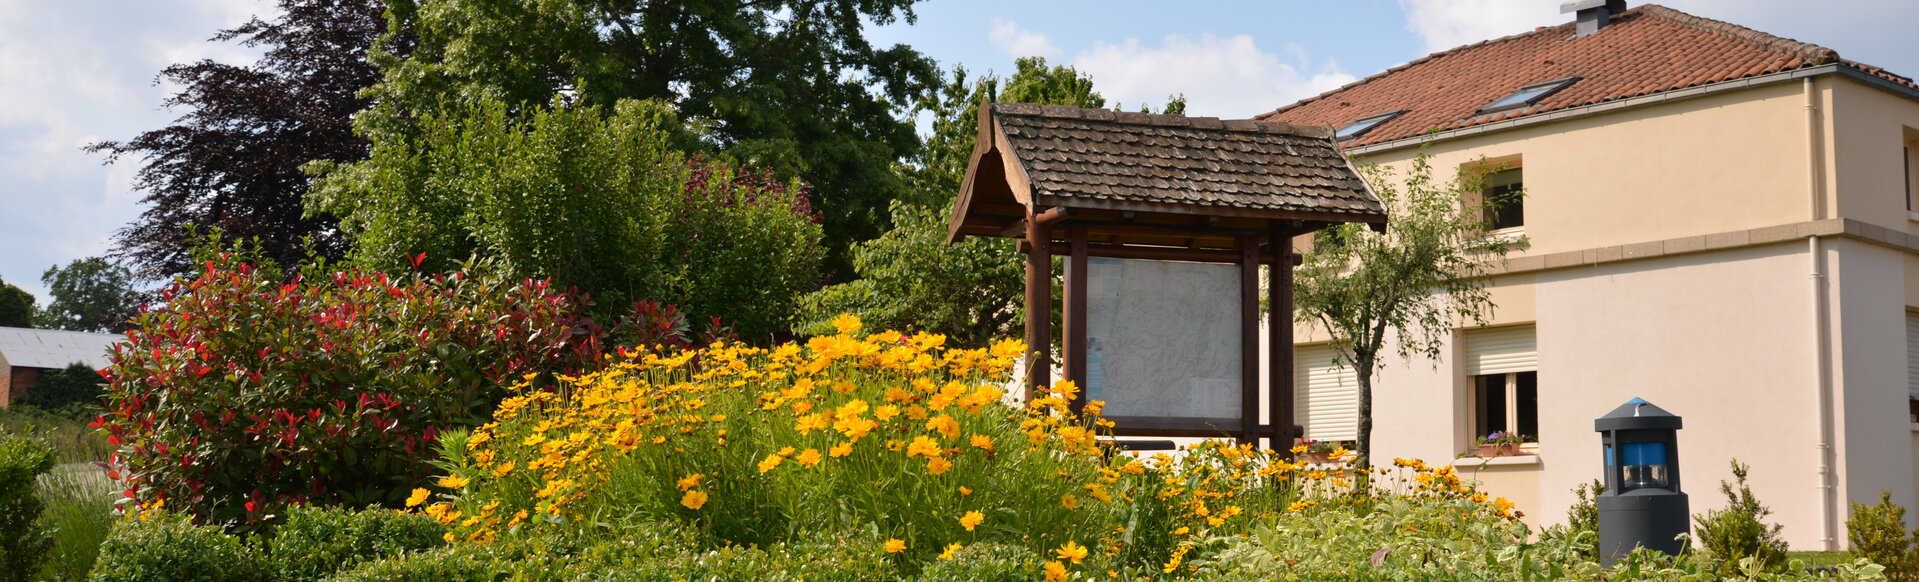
point(24, 353)
point(1721, 222)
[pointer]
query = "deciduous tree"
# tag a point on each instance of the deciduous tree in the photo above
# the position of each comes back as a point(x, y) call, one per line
point(232, 160)
point(1402, 291)
point(16, 306)
point(89, 294)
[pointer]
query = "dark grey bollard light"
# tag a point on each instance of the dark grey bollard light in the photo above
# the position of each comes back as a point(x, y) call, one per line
point(1642, 505)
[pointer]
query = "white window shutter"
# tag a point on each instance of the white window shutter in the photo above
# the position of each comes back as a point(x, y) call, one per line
point(1912, 353)
point(1325, 397)
point(1500, 350)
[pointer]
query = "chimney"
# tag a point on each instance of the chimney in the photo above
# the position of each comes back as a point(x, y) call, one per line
point(1593, 14)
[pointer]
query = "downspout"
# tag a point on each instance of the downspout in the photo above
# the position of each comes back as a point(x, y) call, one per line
point(1821, 322)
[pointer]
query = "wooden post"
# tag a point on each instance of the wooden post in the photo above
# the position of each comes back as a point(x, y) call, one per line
point(1249, 339)
point(1279, 340)
point(1039, 306)
point(1074, 342)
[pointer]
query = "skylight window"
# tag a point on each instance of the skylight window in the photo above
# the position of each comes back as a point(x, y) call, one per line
point(1528, 95)
point(1366, 124)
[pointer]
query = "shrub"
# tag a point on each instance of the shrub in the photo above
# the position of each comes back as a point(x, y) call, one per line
point(1737, 531)
point(318, 541)
point(246, 392)
point(71, 392)
point(1877, 532)
point(157, 546)
point(522, 558)
point(985, 562)
point(23, 540)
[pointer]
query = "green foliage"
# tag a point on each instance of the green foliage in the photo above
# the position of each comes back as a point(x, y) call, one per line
point(787, 84)
point(159, 546)
point(985, 562)
point(1738, 533)
point(245, 392)
point(587, 198)
point(16, 306)
point(72, 392)
point(1411, 283)
point(72, 440)
point(1877, 532)
point(318, 541)
point(89, 294)
point(80, 513)
point(522, 558)
point(828, 560)
point(24, 541)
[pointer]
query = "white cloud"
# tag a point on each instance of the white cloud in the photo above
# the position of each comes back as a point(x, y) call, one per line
point(1444, 24)
point(1224, 77)
point(1019, 42)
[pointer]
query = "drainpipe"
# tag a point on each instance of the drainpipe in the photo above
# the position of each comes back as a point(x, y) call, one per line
point(1821, 322)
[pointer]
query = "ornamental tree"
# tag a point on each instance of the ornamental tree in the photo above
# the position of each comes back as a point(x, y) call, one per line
point(1411, 283)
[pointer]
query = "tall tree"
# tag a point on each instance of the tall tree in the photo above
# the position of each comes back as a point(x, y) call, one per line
point(89, 294)
point(232, 160)
point(1410, 284)
point(909, 278)
point(16, 306)
point(789, 84)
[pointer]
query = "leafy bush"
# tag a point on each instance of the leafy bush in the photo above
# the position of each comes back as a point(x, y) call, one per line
point(246, 392)
point(318, 541)
point(23, 540)
point(71, 392)
point(1877, 532)
point(587, 198)
point(519, 558)
point(160, 546)
point(1737, 532)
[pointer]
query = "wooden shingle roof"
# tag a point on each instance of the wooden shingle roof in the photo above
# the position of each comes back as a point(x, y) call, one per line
point(1103, 160)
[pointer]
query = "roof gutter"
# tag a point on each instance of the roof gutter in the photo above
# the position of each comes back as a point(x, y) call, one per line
point(1640, 101)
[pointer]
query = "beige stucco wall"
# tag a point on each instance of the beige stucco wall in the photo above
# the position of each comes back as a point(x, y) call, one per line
point(1868, 132)
point(1869, 364)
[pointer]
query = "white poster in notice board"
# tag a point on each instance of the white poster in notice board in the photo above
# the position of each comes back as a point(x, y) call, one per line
point(1162, 338)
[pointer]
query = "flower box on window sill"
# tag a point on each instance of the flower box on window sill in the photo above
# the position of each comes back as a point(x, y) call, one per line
point(1501, 450)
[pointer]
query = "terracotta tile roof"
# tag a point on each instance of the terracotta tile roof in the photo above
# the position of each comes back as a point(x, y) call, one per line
point(1073, 154)
point(1645, 50)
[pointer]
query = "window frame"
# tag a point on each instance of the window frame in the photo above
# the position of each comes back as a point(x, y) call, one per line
point(1528, 95)
point(1511, 404)
point(1365, 124)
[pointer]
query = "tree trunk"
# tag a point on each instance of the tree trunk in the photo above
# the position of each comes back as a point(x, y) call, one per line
point(1365, 446)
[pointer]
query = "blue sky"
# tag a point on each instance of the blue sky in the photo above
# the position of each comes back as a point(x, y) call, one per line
point(74, 72)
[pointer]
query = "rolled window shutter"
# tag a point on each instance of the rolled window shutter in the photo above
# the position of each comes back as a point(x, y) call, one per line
point(1912, 353)
point(1325, 397)
point(1501, 350)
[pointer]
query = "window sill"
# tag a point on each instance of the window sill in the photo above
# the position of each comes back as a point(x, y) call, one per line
point(1506, 460)
point(1915, 427)
point(1912, 216)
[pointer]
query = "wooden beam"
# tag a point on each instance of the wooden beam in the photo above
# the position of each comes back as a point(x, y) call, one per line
point(1075, 336)
point(1249, 338)
point(1201, 209)
point(1039, 308)
point(1052, 215)
point(1164, 253)
point(1279, 344)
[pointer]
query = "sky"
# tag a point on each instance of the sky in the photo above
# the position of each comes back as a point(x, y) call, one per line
point(74, 72)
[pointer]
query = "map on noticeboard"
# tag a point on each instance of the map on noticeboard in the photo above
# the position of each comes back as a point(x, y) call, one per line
point(1162, 338)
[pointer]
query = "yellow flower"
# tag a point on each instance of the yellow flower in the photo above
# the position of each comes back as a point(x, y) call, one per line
point(418, 497)
point(693, 499)
point(841, 450)
point(846, 323)
point(965, 491)
point(454, 482)
point(922, 445)
point(946, 426)
point(690, 481)
point(1069, 501)
point(938, 466)
point(894, 545)
point(770, 462)
point(971, 520)
point(886, 412)
point(809, 457)
point(952, 548)
point(1055, 572)
point(1071, 551)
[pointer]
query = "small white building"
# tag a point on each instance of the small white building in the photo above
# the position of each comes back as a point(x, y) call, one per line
point(24, 353)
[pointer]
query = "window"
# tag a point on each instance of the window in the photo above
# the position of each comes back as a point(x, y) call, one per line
point(1910, 161)
point(1503, 382)
point(1325, 395)
point(1366, 124)
point(1528, 95)
point(1503, 200)
point(1912, 364)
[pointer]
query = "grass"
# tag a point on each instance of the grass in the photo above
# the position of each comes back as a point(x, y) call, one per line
point(1822, 558)
point(78, 495)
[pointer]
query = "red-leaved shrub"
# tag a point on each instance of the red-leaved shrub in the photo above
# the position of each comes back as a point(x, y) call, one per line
point(243, 392)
